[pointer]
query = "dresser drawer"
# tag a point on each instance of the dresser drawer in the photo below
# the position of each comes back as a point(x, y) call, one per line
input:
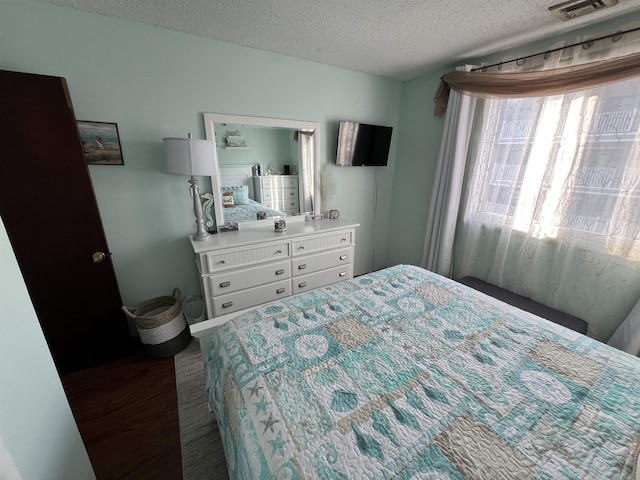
point(321, 261)
point(320, 279)
point(281, 195)
point(290, 205)
point(248, 256)
point(267, 183)
point(250, 297)
point(320, 242)
point(232, 281)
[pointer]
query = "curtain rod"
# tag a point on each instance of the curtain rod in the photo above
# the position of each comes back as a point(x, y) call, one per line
point(558, 49)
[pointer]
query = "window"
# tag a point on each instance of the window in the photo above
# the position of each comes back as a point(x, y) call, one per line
point(565, 167)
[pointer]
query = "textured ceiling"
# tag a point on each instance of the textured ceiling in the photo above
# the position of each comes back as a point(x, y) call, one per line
point(399, 39)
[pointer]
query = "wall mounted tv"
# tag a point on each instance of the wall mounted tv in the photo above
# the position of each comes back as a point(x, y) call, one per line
point(360, 144)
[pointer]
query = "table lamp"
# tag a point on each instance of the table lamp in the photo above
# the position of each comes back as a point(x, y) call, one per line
point(194, 158)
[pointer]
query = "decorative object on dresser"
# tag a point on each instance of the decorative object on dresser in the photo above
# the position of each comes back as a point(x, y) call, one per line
point(253, 266)
point(186, 156)
point(280, 225)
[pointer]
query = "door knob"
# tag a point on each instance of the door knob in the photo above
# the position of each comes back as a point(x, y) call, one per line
point(98, 257)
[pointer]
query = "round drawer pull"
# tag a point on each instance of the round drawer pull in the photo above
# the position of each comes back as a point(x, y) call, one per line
point(301, 247)
point(344, 240)
point(225, 284)
point(278, 252)
point(222, 262)
point(227, 305)
point(343, 257)
point(280, 290)
point(342, 274)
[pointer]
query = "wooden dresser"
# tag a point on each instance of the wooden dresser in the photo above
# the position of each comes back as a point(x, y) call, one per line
point(256, 265)
point(279, 192)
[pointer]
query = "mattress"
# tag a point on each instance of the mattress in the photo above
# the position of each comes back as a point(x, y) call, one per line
point(405, 374)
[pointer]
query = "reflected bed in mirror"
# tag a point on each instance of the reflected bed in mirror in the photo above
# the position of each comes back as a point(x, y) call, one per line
point(267, 166)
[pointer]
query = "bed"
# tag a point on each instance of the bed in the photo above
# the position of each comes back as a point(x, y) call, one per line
point(239, 181)
point(402, 373)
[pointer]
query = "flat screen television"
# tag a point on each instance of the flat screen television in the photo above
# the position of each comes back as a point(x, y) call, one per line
point(363, 145)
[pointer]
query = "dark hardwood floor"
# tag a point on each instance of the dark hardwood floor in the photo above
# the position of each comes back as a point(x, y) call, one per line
point(127, 414)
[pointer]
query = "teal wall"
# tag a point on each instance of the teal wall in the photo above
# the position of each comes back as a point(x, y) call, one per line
point(267, 146)
point(36, 423)
point(419, 142)
point(157, 83)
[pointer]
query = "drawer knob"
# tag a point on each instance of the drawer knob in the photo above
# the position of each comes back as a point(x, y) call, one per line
point(302, 267)
point(227, 305)
point(343, 257)
point(278, 252)
point(301, 247)
point(302, 284)
point(344, 240)
point(280, 272)
point(280, 290)
point(225, 284)
point(342, 274)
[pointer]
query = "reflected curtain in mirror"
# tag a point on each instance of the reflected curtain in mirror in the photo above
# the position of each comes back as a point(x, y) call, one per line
point(306, 169)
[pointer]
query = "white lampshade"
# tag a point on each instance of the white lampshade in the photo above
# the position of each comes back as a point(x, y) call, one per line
point(186, 156)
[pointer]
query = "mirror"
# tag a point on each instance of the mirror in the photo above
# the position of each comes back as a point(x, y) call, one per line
point(268, 166)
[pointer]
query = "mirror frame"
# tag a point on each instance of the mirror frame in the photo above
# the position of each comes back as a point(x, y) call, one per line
point(210, 119)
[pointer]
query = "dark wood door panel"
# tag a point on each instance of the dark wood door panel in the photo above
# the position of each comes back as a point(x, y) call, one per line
point(49, 209)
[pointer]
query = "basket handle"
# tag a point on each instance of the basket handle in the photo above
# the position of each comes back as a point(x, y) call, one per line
point(129, 312)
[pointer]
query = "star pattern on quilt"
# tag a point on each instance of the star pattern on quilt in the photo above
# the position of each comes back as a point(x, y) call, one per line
point(261, 406)
point(269, 423)
point(255, 390)
point(278, 445)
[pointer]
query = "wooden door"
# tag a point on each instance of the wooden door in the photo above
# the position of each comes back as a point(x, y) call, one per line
point(51, 215)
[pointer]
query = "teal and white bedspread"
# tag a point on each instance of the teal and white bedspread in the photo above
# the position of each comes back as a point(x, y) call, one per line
point(249, 211)
point(405, 374)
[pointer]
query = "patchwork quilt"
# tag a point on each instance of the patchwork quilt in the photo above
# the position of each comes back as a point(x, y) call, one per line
point(405, 374)
point(249, 211)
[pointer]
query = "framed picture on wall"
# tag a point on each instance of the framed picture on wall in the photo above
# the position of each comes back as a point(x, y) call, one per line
point(100, 143)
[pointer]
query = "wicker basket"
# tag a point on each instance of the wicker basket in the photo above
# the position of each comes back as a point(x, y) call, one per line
point(161, 324)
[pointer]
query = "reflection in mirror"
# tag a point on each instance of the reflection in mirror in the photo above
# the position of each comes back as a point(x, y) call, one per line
point(267, 167)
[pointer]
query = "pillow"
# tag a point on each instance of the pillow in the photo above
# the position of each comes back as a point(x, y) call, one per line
point(240, 194)
point(227, 200)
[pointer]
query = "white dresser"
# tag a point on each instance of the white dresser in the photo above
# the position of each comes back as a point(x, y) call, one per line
point(251, 266)
point(279, 192)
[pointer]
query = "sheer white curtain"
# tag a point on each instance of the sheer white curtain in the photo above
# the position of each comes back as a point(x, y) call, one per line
point(551, 199)
point(437, 254)
point(306, 173)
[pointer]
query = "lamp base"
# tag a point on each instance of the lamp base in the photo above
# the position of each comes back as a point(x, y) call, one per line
point(204, 236)
point(201, 232)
